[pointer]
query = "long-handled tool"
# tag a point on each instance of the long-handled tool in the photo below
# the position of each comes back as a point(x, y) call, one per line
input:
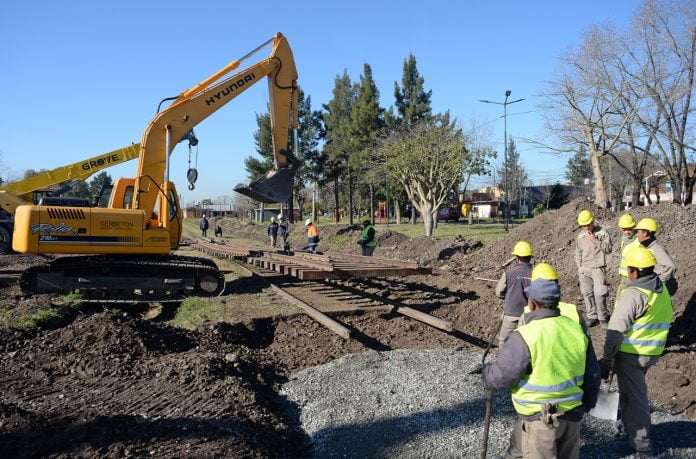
point(489, 395)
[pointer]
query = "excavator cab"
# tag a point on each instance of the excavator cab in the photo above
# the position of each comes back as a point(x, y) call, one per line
point(274, 186)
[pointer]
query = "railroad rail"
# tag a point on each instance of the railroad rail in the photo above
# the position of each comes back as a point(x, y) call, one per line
point(310, 266)
point(325, 268)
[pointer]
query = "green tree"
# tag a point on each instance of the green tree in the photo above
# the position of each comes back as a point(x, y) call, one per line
point(578, 167)
point(412, 101)
point(337, 117)
point(79, 189)
point(516, 174)
point(426, 159)
point(263, 139)
point(305, 159)
point(367, 121)
point(100, 180)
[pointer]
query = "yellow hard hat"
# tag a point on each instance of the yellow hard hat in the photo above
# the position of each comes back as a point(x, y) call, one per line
point(523, 249)
point(640, 257)
point(544, 271)
point(273, 219)
point(626, 221)
point(585, 218)
point(647, 224)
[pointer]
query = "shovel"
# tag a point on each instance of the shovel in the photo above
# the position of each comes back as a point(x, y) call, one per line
point(607, 406)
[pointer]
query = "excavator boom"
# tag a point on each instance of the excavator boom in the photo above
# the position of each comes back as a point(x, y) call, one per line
point(170, 125)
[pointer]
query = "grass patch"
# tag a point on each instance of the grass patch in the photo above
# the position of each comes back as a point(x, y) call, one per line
point(191, 312)
point(338, 241)
point(46, 317)
point(484, 233)
point(73, 299)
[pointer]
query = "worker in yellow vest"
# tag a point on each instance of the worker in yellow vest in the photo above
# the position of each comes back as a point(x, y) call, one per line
point(629, 240)
point(636, 338)
point(549, 364)
point(548, 272)
point(665, 267)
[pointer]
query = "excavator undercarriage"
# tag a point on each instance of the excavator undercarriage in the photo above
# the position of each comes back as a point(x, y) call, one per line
point(121, 278)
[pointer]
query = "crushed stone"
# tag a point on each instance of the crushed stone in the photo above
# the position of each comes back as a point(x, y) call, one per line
point(430, 403)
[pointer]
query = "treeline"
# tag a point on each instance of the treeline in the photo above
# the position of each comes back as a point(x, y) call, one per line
point(353, 152)
point(622, 101)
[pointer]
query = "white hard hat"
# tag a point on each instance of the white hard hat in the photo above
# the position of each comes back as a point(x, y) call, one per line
point(308, 221)
point(280, 215)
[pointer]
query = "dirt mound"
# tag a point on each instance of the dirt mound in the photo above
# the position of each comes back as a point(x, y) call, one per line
point(196, 392)
point(553, 234)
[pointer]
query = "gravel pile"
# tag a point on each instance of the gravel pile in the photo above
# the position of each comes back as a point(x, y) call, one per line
point(425, 403)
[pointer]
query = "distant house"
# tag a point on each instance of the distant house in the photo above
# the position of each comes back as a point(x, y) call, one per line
point(210, 210)
point(662, 191)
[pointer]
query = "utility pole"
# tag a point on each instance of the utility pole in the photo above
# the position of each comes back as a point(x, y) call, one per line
point(505, 103)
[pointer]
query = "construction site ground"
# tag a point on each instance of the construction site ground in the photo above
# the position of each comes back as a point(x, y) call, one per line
point(202, 378)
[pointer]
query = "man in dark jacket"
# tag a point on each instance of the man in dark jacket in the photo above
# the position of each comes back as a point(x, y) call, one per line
point(284, 232)
point(511, 287)
point(272, 231)
point(203, 225)
point(549, 363)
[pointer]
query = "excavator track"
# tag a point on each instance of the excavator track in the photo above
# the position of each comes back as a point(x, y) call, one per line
point(126, 279)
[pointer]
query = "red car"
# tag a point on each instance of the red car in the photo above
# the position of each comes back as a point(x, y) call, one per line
point(448, 213)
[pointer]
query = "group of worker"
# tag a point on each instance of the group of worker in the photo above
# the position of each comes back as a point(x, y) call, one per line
point(546, 355)
point(280, 229)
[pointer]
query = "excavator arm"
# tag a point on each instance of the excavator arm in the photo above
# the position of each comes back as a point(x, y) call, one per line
point(172, 124)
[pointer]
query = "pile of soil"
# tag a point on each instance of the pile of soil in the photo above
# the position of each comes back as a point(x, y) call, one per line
point(106, 383)
point(113, 385)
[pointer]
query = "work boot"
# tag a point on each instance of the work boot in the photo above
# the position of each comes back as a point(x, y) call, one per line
point(604, 324)
point(592, 323)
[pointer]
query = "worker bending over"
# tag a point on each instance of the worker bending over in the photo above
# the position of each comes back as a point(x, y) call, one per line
point(635, 339)
point(550, 365)
point(368, 239)
point(665, 267)
point(511, 287)
point(591, 248)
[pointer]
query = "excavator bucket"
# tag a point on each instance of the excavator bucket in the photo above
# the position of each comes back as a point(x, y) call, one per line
point(275, 186)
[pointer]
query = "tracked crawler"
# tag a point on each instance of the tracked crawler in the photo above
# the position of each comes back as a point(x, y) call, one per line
point(126, 278)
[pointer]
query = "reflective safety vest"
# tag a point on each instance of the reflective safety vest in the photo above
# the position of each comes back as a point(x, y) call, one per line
point(364, 236)
point(558, 349)
point(312, 231)
point(623, 270)
point(568, 310)
point(648, 334)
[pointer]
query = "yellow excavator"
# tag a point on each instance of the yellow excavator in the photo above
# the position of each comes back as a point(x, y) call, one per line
point(130, 240)
point(21, 192)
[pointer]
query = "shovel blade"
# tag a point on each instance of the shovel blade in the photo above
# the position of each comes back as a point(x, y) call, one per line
point(275, 186)
point(607, 406)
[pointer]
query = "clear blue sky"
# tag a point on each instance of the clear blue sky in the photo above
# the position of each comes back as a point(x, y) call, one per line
point(81, 78)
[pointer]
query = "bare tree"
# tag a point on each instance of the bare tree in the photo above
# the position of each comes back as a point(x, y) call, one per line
point(665, 63)
point(584, 109)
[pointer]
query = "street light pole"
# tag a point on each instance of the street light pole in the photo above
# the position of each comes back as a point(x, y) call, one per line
point(506, 202)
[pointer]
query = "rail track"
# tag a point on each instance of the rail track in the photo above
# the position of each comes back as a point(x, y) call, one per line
point(325, 295)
